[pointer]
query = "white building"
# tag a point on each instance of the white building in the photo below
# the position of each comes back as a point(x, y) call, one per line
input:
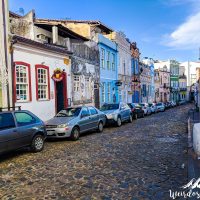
point(34, 88)
point(42, 71)
point(192, 78)
point(190, 71)
point(124, 65)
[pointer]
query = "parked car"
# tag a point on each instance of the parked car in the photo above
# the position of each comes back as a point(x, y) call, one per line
point(137, 110)
point(167, 105)
point(160, 106)
point(71, 122)
point(153, 107)
point(173, 103)
point(146, 108)
point(21, 128)
point(117, 113)
point(170, 104)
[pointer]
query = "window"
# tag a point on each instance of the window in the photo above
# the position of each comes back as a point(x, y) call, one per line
point(102, 58)
point(113, 61)
point(69, 112)
point(85, 112)
point(76, 83)
point(93, 111)
point(42, 82)
point(22, 81)
point(87, 88)
point(103, 92)
point(108, 60)
point(109, 92)
point(124, 66)
point(6, 121)
point(24, 119)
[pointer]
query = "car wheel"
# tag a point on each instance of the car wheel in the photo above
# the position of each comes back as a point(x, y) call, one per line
point(119, 122)
point(37, 144)
point(100, 127)
point(75, 134)
point(130, 119)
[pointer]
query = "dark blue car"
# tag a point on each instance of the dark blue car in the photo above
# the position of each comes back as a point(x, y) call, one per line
point(21, 129)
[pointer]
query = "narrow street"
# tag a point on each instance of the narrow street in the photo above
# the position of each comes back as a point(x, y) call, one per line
point(142, 160)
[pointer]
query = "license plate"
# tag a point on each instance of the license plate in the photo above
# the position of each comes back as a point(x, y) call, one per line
point(50, 133)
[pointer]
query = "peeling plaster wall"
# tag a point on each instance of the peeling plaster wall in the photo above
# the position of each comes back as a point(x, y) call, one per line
point(85, 65)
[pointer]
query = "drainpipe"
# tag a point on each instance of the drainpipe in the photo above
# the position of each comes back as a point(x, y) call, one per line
point(6, 50)
point(13, 71)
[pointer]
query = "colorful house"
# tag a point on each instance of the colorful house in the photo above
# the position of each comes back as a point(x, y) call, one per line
point(135, 72)
point(108, 70)
point(150, 63)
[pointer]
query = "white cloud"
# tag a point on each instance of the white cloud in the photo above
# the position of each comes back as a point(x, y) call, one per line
point(186, 35)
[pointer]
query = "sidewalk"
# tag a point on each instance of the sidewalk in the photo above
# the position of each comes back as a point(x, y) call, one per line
point(193, 162)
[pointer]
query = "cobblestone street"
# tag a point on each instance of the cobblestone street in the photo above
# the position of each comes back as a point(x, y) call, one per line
point(142, 160)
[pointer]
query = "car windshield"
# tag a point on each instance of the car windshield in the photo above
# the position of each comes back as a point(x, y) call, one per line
point(110, 107)
point(150, 104)
point(131, 105)
point(159, 104)
point(69, 112)
point(142, 104)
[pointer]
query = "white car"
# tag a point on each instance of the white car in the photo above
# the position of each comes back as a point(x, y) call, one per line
point(146, 108)
point(153, 107)
point(160, 106)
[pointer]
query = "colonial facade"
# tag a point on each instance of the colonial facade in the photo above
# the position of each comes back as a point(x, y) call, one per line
point(124, 65)
point(108, 70)
point(162, 84)
point(35, 64)
point(173, 67)
point(182, 84)
point(84, 66)
point(56, 64)
point(174, 80)
point(145, 79)
point(191, 69)
point(150, 63)
point(135, 73)
point(108, 58)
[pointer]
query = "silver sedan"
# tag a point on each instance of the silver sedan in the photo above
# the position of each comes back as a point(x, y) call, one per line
point(117, 113)
point(71, 122)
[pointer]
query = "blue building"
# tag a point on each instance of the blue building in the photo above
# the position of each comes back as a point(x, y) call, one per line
point(108, 70)
point(135, 80)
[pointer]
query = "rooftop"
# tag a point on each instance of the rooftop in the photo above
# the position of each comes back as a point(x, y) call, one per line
point(51, 47)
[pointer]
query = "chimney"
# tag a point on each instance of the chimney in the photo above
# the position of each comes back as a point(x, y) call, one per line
point(55, 34)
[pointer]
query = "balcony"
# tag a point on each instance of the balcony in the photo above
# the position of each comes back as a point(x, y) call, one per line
point(183, 89)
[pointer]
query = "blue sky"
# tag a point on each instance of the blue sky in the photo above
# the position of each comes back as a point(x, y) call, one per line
point(163, 29)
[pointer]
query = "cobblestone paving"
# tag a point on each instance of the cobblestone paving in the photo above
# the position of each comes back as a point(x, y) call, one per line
point(142, 160)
